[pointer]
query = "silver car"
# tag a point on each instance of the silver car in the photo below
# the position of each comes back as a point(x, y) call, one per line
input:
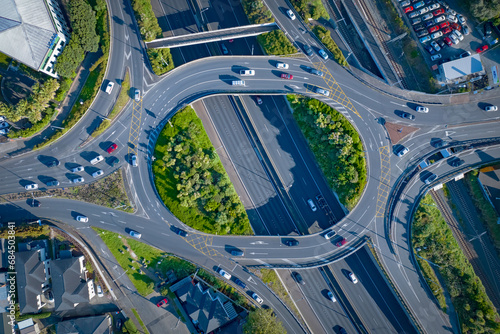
point(322, 91)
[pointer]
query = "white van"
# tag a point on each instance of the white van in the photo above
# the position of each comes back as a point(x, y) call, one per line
point(238, 83)
point(247, 72)
point(97, 159)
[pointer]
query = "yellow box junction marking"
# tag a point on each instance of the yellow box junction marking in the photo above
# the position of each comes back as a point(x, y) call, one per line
point(202, 243)
point(135, 127)
point(385, 179)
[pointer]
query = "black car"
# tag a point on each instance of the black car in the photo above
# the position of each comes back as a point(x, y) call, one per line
point(418, 27)
point(240, 283)
point(298, 278)
point(429, 49)
point(35, 203)
point(308, 50)
point(422, 33)
point(407, 115)
point(487, 29)
point(429, 23)
point(54, 163)
point(441, 43)
point(291, 242)
point(52, 183)
point(457, 162)
point(180, 232)
point(438, 143)
point(113, 161)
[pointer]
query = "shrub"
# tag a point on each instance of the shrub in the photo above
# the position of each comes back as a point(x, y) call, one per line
point(276, 43)
point(324, 35)
point(310, 9)
point(161, 60)
point(146, 19)
point(257, 12)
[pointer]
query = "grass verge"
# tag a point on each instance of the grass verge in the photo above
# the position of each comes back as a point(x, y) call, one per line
point(324, 36)
point(272, 280)
point(140, 321)
point(276, 43)
point(191, 180)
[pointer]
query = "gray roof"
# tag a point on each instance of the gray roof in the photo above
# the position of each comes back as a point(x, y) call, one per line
point(26, 30)
point(68, 285)
point(3, 253)
point(86, 325)
point(4, 303)
point(461, 67)
point(30, 277)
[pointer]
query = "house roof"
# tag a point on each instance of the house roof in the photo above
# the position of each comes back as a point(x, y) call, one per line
point(85, 325)
point(30, 278)
point(458, 68)
point(3, 253)
point(68, 284)
point(26, 30)
point(4, 288)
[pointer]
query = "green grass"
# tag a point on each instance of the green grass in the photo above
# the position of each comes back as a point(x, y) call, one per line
point(129, 327)
point(140, 321)
point(4, 60)
point(123, 98)
point(276, 43)
point(257, 12)
point(433, 282)
point(191, 180)
point(272, 280)
point(324, 36)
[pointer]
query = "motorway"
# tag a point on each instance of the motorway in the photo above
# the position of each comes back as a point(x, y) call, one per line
point(365, 107)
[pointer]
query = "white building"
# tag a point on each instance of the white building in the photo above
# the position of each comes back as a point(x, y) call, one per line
point(33, 32)
point(454, 70)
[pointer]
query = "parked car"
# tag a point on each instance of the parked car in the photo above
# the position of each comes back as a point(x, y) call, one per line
point(286, 76)
point(52, 183)
point(422, 33)
point(482, 48)
point(461, 19)
point(113, 161)
point(99, 291)
point(441, 43)
point(429, 49)
point(97, 173)
point(454, 39)
point(162, 302)
point(425, 39)
point(466, 30)
point(452, 18)
point(413, 15)
point(224, 274)
point(435, 57)
point(53, 163)
point(444, 25)
point(447, 40)
point(435, 6)
point(436, 46)
point(439, 19)
point(405, 3)
point(458, 34)
point(418, 27)
point(240, 283)
point(419, 4)
point(447, 30)
point(408, 9)
point(257, 298)
point(423, 10)
point(456, 26)
point(487, 28)
point(77, 169)
point(416, 21)
point(429, 23)
point(427, 16)
point(78, 180)
point(438, 12)
point(433, 29)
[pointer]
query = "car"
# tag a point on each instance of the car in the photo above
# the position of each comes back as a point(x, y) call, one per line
point(402, 151)
point(458, 34)
point(82, 219)
point(52, 183)
point(491, 108)
point(435, 57)
point(416, 21)
point(466, 30)
point(413, 15)
point(418, 27)
point(290, 14)
point(433, 29)
point(247, 72)
point(133, 160)
point(407, 115)
point(4, 131)
point(437, 143)
point(322, 91)
point(353, 278)
point(35, 203)
point(286, 76)
point(456, 162)
point(162, 302)
point(113, 161)
point(439, 19)
point(447, 30)
point(342, 330)
point(431, 178)
point(109, 87)
point(323, 54)
point(77, 169)
point(298, 278)
point(444, 25)
point(111, 148)
point(257, 298)
point(53, 163)
point(240, 283)
point(340, 242)
point(237, 252)
point(454, 39)
point(441, 43)
point(423, 10)
point(421, 109)
point(258, 100)
point(224, 49)
point(429, 23)
point(331, 297)
point(181, 232)
point(437, 34)
point(419, 4)
point(451, 11)
point(119, 324)
point(31, 186)
point(97, 173)
point(422, 33)
point(99, 291)
point(308, 50)
point(97, 159)
point(224, 274)
point(482, 48)
point(438, 12)
point(330, 234)
point(312, 205)
point(429, 49)
point(317, 72)
point(137, 95)
point(408, 9)
point(434, 6)
point(456, 26)
point(425, 39)
point(447, 40)
point(461, 19)
point(427, 16)
point(291, 242)
point(135, 234)
point(487, 28)
point(78, 180)
point(282, 65)
point(452, 18)
point(436, 46)
point(405, 3)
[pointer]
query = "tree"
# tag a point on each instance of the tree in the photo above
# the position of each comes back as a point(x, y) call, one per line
point(69, 59)
point(83, 22)
point(263, 321)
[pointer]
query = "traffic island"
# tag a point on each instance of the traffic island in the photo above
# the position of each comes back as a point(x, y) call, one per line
point(398, 131)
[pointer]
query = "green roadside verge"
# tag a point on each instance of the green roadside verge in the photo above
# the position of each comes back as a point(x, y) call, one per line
point(433, 240)
point(138, 317)
point(336, 145)
point(323, 35)
point(191, 180)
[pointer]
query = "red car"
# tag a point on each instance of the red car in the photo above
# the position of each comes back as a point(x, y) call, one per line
point(448, 41)
point(162, 302)
point(447, 30)
point(482, 48)
point(438, 12)
point(286, 76)
point(456, 26)
point(433, 29)
point(341, 242)
point(112, 148)
point(444, 25)
point(408, 9)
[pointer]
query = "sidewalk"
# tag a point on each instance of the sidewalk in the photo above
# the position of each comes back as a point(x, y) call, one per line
point(22, 145)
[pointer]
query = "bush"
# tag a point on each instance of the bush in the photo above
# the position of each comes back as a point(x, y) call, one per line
point(257, 12)
point(64, 86)
point(310, 9)
point(189, 177)
point(276, 43)
point(336, 146)
point(324, 35)
point(146, 19)
point(38, 126)
point(161, 60)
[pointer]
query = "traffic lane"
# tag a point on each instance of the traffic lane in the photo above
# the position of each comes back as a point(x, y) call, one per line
point(179, 17)
point(366, 307)
point(330, 314)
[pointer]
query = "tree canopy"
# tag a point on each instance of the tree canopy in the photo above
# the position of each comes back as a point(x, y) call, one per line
point(263, 321)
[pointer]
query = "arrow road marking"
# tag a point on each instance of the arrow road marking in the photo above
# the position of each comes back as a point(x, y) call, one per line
point(253, 253)
point(258, 243)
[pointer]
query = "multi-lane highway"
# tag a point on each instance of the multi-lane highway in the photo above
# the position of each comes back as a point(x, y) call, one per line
point(367, 109)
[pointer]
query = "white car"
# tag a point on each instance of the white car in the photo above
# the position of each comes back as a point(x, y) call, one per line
point(133, 159)
point(323, 54)
point(452, 18)
point(422, 109)
point(31, 186)
point(403, 151)
point(78, 180)
point(353, 278)
point(137, 95)
point(97, 173)
point(135, 234)
point(436, 46)
point(82, 219)
point(257, 298)
point(491, 108)
point(331, 297)
point(436, 57)
point(454, 38)
point(434, 6)
point(461, 19)
point(247, 72)
point(322, 91)
point(99, 291)
point(330, 235)
point(311, 205)
point(224, 274)
point(282, 65)
point(458, 34)
point(439, 19)
point(97, 159)
point(436, 34)
point(77, 169)
point(109, 88)
point(290, 14)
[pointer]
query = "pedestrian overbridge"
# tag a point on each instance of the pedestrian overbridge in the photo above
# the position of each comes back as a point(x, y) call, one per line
point(211, 36)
